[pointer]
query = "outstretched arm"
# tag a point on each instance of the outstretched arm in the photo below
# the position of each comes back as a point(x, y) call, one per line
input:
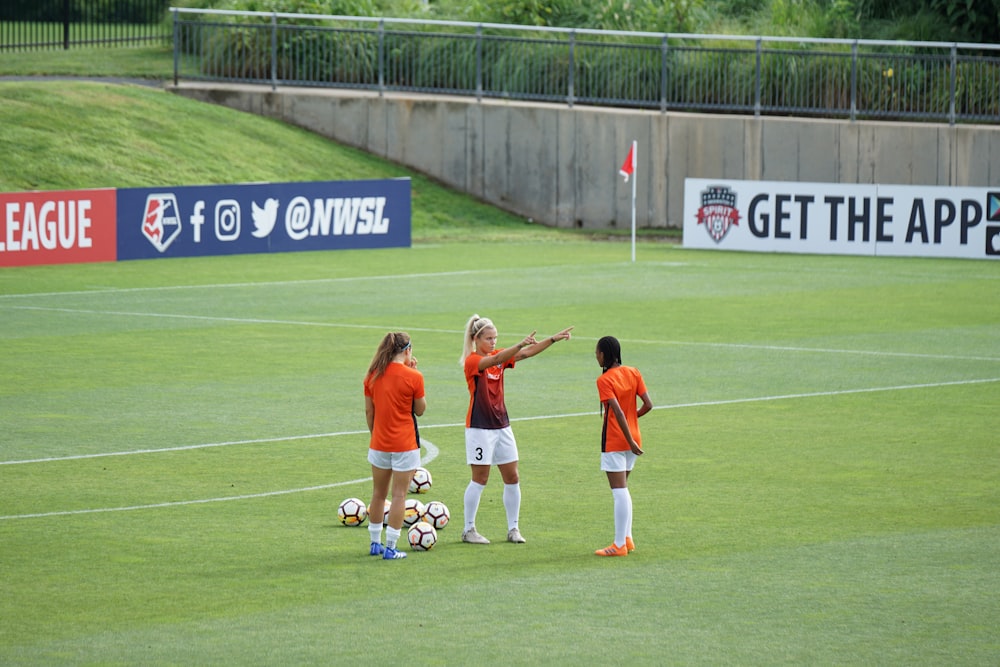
point(542, 345)
point(508, 353)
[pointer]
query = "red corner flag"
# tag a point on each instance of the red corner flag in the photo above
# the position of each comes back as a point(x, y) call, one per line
point(628, 167)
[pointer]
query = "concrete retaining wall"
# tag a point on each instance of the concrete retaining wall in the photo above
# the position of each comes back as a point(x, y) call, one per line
point(559, 165)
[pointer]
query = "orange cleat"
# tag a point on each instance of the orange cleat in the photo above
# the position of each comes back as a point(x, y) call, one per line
point(629, 544)
point(613, 550)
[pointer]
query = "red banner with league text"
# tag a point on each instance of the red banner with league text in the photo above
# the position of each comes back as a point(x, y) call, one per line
point(66, 227)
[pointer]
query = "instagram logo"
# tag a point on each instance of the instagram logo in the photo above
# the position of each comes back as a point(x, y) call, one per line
point(227, 220)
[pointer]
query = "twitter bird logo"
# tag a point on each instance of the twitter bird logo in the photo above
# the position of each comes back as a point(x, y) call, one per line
point(264, 217)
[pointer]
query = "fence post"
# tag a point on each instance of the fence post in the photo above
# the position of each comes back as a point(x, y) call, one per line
point(663, 74)
point(854, 81)
point(274, 50)
point(173, 12)
point(756, 104)
point(479, 62)
point(381, 57)
point(954, 77)
point(572, 45)
point(66, 4)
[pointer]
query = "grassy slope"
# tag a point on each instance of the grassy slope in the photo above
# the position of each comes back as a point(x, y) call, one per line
point(65, 133)
point(68, 135)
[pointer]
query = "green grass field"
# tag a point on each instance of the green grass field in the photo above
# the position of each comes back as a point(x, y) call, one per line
point(821, 484)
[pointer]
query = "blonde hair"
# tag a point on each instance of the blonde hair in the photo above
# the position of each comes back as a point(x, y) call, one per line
point(390, 345)
point(472, 329)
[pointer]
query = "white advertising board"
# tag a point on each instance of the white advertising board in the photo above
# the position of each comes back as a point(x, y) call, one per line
point(842, 219)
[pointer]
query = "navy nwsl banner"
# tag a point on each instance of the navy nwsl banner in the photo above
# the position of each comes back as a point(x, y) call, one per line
point(267, 217)
point(842, 219)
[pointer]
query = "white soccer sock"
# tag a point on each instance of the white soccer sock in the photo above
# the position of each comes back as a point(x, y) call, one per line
point(391, 537)
point(473, 492)
point(375, 531)
point(623, 514)
point(512, 504)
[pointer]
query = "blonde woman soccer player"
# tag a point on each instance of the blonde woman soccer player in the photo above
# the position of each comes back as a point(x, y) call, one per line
point(489, 439)
point(394, 398)
point(619, 387)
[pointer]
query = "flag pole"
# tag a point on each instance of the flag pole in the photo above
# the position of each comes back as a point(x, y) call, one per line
point(634, 179)
point(628, 171)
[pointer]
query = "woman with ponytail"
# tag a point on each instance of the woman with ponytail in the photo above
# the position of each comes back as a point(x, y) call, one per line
point(619, 388)
point(394, 398)
point(489, 439)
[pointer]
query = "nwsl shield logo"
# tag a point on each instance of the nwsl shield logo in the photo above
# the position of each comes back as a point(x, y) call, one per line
point(718, 211)
point(161, 221)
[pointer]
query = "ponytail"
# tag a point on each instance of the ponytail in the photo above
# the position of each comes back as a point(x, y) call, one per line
point(390, 345)
point(472, 328)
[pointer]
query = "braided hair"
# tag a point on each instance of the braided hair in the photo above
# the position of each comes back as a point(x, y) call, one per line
point(611, 350)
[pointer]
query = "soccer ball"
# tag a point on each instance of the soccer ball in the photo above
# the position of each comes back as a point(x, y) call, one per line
point(436, 514)
point(352, 512)
point(421, 482)
point(422, 536)
point(414, 511)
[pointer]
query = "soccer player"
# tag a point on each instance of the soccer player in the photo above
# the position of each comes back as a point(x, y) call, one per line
point(489, 439)
point(618, 388)
point(394, 398)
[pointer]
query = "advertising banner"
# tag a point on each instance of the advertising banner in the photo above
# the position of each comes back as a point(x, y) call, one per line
point(824, 218)
point(267, 217)
point(57, 227)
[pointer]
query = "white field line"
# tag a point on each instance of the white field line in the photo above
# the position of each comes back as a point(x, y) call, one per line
point(454, 332)
point(432, 450)
point(276, 283)
point(432, 453)
point(674, 406)
point(96, 290)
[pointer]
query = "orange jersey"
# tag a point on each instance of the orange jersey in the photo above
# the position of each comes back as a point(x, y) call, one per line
point(393, 393)
point(624, 383)
point(487, 408)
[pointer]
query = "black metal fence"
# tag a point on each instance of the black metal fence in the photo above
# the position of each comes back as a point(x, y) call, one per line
point(62, 24)
point(855, 79)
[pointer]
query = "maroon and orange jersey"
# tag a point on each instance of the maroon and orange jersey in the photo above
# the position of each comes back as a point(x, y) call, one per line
point(486, 405)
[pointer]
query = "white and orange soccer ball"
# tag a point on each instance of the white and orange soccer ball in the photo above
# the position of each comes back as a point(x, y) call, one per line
point(414, 511)
point(436, 513)
point(422, 536)
point(421, 482)
point(352, 512)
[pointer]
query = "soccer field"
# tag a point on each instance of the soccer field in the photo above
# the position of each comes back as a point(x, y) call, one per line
point(821, 483)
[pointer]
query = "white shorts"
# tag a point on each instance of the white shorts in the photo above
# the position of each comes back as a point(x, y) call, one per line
point(617, 461)
point(398, 461)
point(490, 446)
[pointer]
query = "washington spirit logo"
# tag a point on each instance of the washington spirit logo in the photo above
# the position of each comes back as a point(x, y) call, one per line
point(718, 211)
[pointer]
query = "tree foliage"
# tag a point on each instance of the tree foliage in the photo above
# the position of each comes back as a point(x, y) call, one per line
point(914, 20)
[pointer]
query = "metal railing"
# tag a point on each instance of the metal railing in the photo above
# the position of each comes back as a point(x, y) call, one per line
point(855, 79)
point(30, 25)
